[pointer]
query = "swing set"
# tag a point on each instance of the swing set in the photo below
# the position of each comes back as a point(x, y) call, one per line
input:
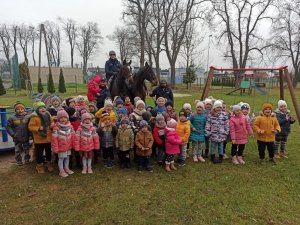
point(283, 72)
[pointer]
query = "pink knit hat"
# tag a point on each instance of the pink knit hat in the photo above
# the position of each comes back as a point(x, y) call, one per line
point(62, 113)
point(97, 79)
point(86, 116)
point(171, 123)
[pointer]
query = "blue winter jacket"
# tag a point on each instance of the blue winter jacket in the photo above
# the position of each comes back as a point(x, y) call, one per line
point(285, 120)
point(112, 67)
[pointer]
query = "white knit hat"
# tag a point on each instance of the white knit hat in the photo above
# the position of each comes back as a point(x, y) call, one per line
point(281, 103)
point(187, 106)
point(108, 102)
point(138, 102)
point(208, 101)
point(217, 103)
point(245, 105)
point(161, 99)
point(235, 108)
point(199, 103)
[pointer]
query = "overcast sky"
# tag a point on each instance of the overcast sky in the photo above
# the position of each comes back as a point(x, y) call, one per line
point(107, 13)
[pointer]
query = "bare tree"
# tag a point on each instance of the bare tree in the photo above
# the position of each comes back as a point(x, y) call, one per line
point(136, 14)
point(5, 44)
point(237, 22)
point(286, 36)
point(125, 40)
point(49, 29)
point(57, 42)
point(33, 34)
point(24, 38)
point(71, 31)
point(12, 33)
point(176, 16)
point(89, 38)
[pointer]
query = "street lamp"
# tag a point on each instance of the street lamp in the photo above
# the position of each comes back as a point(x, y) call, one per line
point(208, 52)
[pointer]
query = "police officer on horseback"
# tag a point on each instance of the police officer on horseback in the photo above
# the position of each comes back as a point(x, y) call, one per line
point(112, 67)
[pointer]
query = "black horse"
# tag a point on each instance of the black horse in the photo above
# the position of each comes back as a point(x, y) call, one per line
point(139, 87)
point(122, 84)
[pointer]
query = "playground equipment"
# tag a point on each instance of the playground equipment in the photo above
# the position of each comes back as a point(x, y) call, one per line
point(283, 71)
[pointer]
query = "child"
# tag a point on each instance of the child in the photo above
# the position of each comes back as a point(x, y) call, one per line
point(172, 144)
point(128, 105)
point(80, 103)
point(239, 128)
point(119, 103)
point(17, 128)
point(108, 108)
point(86, 140)
point(188, 109)
point(170, 111)
point(246, 111)
point(183, 130)
point(39, 125)
point(208, 104)
point(144, 141)
point(107, 132)
point(224, 109)
point(124, 143)
point(266, 126)
point(198, 122)
point(285, 120)
point(92, 108)
point(71, 102)
point(122, 113)
point(55, 106)
point(136, 116)
point(217, 128)
point(62, 142)
point(160, 107)
point(159, 137)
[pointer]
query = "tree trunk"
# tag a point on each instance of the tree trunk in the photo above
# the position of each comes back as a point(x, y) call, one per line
point(34, 63)
point(172, 64)
point(72, 57)
point(296, 77)
point(157, 69)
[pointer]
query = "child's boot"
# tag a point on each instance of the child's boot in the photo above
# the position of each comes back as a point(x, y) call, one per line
point(83, 170)
point(89, 170)
point(40, 168)
point(167, 167)
point(49, 166)
point(213, 158)
point(201, 159)
point(234, 160)
point(220, 160)
point(206, 153)
point(68, 171)
point(195, 158)
point(172, 167)
point(283, 155)
point(240, 160)
point(63, 174)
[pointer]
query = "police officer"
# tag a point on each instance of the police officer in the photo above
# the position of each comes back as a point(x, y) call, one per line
point(112, 67)
point(163, 91)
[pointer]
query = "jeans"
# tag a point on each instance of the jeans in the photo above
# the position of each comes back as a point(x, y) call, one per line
point(214, 145)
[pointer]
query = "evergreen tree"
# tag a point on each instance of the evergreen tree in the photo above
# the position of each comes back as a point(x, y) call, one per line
point(40, 86)
point(2, 89)
point(190, 76)
point(50, 83)
point(61, 83)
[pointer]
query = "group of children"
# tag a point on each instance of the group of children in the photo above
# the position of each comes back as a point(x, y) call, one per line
point(72, 127)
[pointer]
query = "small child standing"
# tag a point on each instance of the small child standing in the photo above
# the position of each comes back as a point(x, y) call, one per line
point(159, 137)
point(160, 107)
point(198, 122)
point(144, 141)
point(125, 143)
point(128, 105)
point(183, 130)
point(217, 128)
point(62, 142)
point(208, 104)
point(55, 106)
point(86, 140)
point(172, 144)
point(266, 126)
point(239, 128)
point(285, 120)
point(170, 111)
point(39, 125)
point(17, 128)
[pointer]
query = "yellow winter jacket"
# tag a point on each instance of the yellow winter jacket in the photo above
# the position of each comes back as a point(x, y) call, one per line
point(268, 124)
point(183, 130)
point(112, 115)
point(34, 125)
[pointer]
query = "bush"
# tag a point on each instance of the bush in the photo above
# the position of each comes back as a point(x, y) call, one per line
point(50, 84)
point(40, 86)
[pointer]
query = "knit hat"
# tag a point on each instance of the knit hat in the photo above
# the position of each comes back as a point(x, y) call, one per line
point(143, 123)
point(235, 108)
point(169, 103)
point(182, 112)
point(159, 117)
point(69, 100)
point(124, 121)
point(108, 102)
point(38, 105)
point(139, 102)
point(123, 111)
point(281, 103)
point(119, 101)
point(267, 105)
point(62, 113)
point(97, 79)
point(199, 103)
point(85, 116)
point(245, 105)
point(104, 116)
point(148, 106)
point(146, 116)
point(70, 111)
point(79, 97)
point(55, 98)
point(187, 106)
point(161, 99)
point(19, 105)
point(171, 123)
point(136, 99)
point(93, 105)
point(217, 104)
point(208, 101)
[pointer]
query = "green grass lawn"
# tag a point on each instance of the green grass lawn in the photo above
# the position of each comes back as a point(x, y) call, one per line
point(196, 194)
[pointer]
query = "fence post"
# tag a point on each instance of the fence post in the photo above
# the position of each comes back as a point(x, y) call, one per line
point(76, 83)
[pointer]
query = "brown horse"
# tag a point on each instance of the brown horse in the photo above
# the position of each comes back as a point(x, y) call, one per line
point(139, 87)
point(122, 84)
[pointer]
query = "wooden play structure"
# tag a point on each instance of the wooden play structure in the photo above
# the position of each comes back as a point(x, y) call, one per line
point(283, 72)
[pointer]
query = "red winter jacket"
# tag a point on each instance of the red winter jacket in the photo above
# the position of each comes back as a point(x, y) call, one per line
point(172, 141)
point(62, 140)
point(158, 134)
point(86, 139)
point(93, 90)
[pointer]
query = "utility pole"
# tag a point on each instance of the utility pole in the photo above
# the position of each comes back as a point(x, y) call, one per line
point(208, 53)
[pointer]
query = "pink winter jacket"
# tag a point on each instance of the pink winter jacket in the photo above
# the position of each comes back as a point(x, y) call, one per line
point(62, 139)
point(86, 139)
point(172, 141)
point(239, 128)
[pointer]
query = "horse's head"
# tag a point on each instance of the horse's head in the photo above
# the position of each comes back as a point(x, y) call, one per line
point(126, 71)
point(150, 75)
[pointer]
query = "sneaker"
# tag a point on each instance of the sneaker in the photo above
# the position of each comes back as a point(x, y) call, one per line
point(272, 160)
point(181, 164)
point(89, 170)
point(200, 158)
point(277, 156)
point(19, 163)
point(225, 156)
point(195, 158)
point(63, 174)
point(68, 171)
point(84, 170)
point(283, 155)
